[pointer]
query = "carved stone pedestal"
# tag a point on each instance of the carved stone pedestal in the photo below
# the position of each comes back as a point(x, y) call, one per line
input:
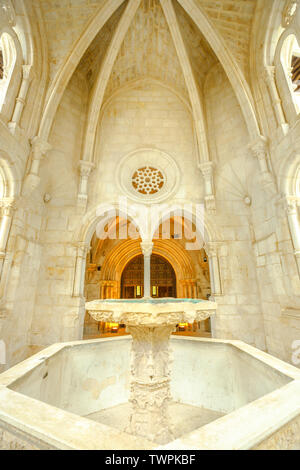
point(150, 387)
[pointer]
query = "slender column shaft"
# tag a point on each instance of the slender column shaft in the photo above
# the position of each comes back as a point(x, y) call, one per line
point(147, 251)
point(82, 250)
point(271, 82)
point(293, 220)
point(147, 276)
point(214, 268)
point(7, 211)
point(21, 100)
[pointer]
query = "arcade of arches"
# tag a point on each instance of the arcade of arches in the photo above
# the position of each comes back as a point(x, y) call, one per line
point(115, 269)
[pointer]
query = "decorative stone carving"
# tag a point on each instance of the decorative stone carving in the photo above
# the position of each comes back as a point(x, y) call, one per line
point(39, 149)
point(7, 207)
point(207, 173)
point(269, 75)
point(289, 12)
point(150, 386)
point(259, 149)
point(21, 99)
point(85, 169)
point(147, 247)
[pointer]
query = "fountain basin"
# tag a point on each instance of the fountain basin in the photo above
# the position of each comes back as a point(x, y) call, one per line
point(44, 400)
point(151, 322)
point(151, 312)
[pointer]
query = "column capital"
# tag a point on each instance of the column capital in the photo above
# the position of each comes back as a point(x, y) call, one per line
point(212, 248)
point(27, 71)
point(7, 206)
point(39, 147)
point(259, 147)
point(269, 72)
point(82, 248)
point(206, 169)
point(147, 247)
point(85, 168)
point(290, 204)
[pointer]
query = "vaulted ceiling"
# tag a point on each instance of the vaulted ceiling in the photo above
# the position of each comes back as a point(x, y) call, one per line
point(65, 21)
point(148, 47)
point(147, 51)
point(233, 20)
point(111, 43)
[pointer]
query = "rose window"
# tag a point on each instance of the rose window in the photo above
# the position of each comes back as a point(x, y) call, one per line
point(148, 180)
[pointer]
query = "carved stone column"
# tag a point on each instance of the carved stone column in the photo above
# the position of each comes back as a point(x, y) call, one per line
point(271, 83)
point(39, 149)
point(85, 169)
point(150, 386)
point(7, 208)
point(207, 172)
point(291, 208)
point(147, 247)
point(260, 151)
point(14, 125)
point(211, 249)
point(82, 251)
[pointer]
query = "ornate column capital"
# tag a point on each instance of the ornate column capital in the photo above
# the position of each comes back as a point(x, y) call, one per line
point(269, 74)
point(85, 168)
point(27, 71)
point(7, 206)
point(259, 148)
point(290, 204)
point(147, 247)
point(206, 169)
point(39, 147)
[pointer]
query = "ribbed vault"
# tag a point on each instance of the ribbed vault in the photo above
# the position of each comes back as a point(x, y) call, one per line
point(134, 42)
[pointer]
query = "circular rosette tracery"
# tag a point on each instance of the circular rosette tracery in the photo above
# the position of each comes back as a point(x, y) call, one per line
point(148, 180)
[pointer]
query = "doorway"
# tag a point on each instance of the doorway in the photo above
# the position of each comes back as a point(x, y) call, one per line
point(163, 278)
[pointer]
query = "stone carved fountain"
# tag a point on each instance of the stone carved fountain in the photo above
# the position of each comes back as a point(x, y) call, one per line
point(150, 322)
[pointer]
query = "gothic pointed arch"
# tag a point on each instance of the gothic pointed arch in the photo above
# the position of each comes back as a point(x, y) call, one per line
point(64, 74)
point(232, 69)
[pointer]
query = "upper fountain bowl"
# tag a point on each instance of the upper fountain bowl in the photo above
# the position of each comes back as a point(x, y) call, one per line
point(151, 312)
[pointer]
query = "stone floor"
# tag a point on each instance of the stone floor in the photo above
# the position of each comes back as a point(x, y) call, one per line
point(184, 418)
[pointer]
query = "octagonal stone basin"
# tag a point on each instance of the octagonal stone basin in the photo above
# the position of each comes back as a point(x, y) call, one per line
point(226, 394)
